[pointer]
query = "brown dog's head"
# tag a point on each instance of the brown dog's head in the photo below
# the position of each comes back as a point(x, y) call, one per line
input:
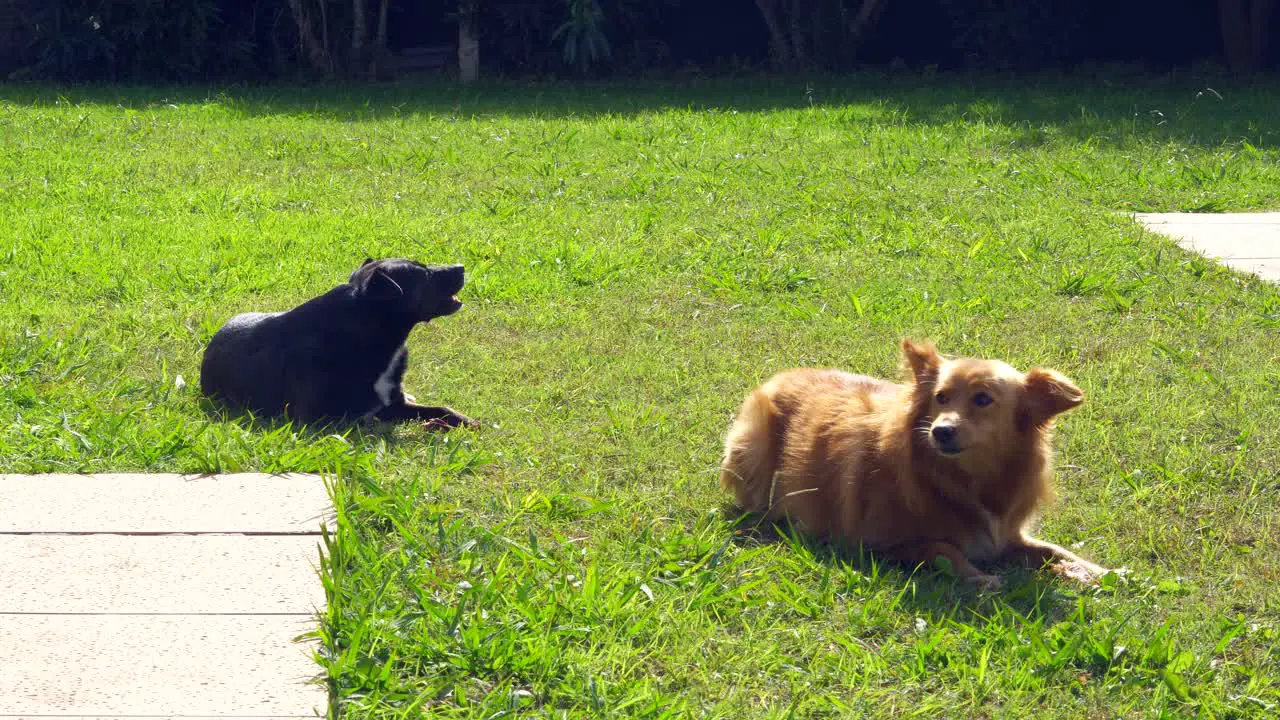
point(973, 411)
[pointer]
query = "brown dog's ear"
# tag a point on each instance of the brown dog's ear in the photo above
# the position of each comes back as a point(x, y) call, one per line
point(921, 359)
point(1047, 393)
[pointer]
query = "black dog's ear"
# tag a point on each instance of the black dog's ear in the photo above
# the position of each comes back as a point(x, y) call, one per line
point(360, 278)
point(375, 283)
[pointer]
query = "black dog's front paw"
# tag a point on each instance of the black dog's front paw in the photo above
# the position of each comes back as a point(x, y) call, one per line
point(436, 418)
point(448, 419)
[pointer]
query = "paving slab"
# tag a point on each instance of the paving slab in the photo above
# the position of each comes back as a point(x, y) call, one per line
point(1268, 268)
point(1183, 218)
point(164, 503)
point(193, 574)
point(1226, 240)
point(1249, 242)
point(160, 595)
point(157, 665)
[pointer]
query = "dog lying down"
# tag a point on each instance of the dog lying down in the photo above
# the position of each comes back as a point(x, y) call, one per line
point(952, 464)
point(338, 357)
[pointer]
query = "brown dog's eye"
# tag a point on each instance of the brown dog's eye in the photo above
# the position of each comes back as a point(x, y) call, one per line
point(982, 399)
point(941, 398)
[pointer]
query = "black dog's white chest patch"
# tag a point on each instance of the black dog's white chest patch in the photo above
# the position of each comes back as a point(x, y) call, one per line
point(389, 380)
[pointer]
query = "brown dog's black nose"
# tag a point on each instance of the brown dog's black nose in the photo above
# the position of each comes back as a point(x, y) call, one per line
point(944, 434)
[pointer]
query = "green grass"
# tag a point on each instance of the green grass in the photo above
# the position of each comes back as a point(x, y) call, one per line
point(639, 257)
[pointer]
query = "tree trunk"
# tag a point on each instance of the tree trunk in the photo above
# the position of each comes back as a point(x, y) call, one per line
point(324, 34)
point(311, 49)
point(800, 28)
point(1261, 28)
point(359, 30)
point(1235, 36)
point(1245, 25)
point(867, 14)
point(468, 43)
point(381, 58)
point(779, 47)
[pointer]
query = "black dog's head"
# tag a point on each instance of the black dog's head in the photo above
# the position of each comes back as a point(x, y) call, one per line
point(408, 287)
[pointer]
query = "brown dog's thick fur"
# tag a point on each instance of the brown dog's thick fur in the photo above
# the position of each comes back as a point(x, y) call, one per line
point(953, 463)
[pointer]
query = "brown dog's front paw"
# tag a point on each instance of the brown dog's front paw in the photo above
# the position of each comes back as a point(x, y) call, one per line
point(985, 582)
point(1085, 573)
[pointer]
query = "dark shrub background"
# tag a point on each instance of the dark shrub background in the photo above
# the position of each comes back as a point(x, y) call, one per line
point(251, 40)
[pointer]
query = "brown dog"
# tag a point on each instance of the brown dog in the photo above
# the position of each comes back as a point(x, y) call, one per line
point(951, 464)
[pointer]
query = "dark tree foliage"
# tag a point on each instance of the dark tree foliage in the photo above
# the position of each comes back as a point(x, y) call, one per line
point(250, 40)
point(165, 40)
point(347, 38)
point(805, 34)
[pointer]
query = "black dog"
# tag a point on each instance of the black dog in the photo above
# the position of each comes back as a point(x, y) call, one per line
point(338, 357)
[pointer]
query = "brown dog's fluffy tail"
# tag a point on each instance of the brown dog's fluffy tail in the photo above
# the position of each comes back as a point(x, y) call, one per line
point(750, 457)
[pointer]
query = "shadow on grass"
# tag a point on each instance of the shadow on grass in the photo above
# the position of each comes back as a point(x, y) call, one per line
point(1108, 109)
point(937, 595)
point(360, 429)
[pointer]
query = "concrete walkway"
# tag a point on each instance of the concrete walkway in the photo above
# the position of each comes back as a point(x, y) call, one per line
point(159, 595)
point(1245, 241)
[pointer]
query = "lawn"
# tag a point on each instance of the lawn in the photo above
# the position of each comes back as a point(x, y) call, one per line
point(639, 257)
